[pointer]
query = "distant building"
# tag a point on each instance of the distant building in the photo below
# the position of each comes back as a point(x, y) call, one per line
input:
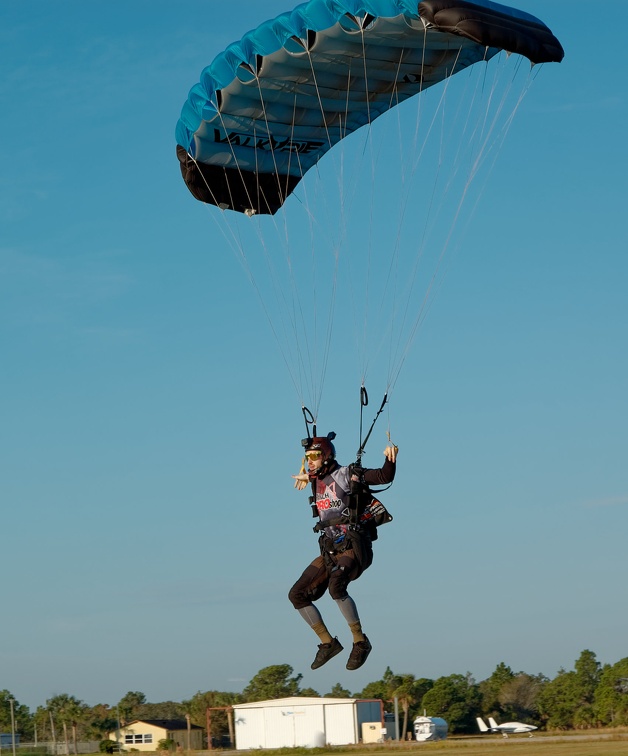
point(145, 734)
point(307, 722)
point(430, 728)
point(6, 740)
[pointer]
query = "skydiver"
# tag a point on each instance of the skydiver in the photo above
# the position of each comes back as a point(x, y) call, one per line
point(346, 551)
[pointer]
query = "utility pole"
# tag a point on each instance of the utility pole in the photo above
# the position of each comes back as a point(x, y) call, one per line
point(118, 729)
point(12, 701)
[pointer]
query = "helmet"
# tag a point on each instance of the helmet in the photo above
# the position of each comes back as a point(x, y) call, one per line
point(322, 443)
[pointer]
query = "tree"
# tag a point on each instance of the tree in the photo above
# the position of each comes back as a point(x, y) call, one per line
point(272, 682)
point(100, 721)
point(338, 692)
point(491, 687)
point(67, 710)
point(21, 715)
point(197, 706)
point(456, 698)
point(559, 700)
point(568, 699)
point(308, 693)
point(588, 671)
point(128, 706)
point(406, 693)
point(611, 695)
point(422, 685)
point(518, 697)
point(42, 724)
point(383, 688)
point(161, 710)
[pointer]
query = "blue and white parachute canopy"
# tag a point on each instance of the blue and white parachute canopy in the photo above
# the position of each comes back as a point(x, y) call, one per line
point(271, 105)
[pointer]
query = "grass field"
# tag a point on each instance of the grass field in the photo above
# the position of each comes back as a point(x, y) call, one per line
point(527, 747)
point(590, 744)
point(609, 743)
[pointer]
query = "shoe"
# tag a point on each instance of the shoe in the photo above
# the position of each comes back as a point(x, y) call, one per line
point(359, 654)
point(325, 652)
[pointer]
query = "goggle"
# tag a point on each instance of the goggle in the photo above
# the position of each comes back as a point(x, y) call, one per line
point(314, 454)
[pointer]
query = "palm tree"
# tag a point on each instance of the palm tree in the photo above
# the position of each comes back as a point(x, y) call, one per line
point(405, 692)
point(67, 710)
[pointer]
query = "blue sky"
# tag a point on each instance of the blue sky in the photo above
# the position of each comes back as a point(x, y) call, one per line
point(149, 427)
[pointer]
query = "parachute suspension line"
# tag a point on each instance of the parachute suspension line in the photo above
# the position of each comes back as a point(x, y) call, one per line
point(247, 268)
point(366, 76)
point(315, 392)
point(296, 309)
point(243, 259)
point(235, 161)
point(498, 142)
point(393, 268)
point(397, 361)
point(280, 295)
point(268, 132)
point(483, 152)
point(320, 101)
point(338, 243)
point(347, 193)
point(388, 295)
point(286, 320)
point(312, 353)
point(465, 139)
point(328, 337)
point(328, 330)
point(360, 300)
point(207, 186)
point(428, 299)
point(488, 129)
point(369, 145)
point(430, 219)
point(315, 324)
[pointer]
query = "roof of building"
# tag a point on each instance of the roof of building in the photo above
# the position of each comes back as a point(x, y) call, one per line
point(298, 701)
point(166, 724)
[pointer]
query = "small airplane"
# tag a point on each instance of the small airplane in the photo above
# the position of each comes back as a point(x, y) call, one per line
point(506, 728)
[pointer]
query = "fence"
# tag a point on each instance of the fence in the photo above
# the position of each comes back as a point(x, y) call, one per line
point(59, 748)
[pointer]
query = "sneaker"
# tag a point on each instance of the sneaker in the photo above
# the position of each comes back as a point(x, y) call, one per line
point(325, 652)
point(359, 654)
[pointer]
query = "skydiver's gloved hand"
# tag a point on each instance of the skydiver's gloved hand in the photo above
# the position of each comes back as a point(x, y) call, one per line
point(390, 452)
point(301, 481)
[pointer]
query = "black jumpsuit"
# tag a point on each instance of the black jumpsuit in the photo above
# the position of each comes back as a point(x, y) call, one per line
point(344, 554)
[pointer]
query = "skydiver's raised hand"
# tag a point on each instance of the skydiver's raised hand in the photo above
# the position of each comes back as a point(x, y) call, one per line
point(390, 452)
point(301, 481)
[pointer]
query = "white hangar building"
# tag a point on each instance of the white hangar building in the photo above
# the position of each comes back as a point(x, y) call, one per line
point(307, 722)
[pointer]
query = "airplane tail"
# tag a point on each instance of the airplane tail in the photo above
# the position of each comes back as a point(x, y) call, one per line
point(481, 724)
point(493, 723)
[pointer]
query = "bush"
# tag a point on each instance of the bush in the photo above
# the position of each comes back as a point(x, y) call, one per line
point(109, 746)
point(166, 744)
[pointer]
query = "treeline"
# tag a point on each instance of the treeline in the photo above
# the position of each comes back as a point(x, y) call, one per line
point(590, 695)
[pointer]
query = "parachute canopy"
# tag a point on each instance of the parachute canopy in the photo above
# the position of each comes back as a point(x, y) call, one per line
point(271, 105)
